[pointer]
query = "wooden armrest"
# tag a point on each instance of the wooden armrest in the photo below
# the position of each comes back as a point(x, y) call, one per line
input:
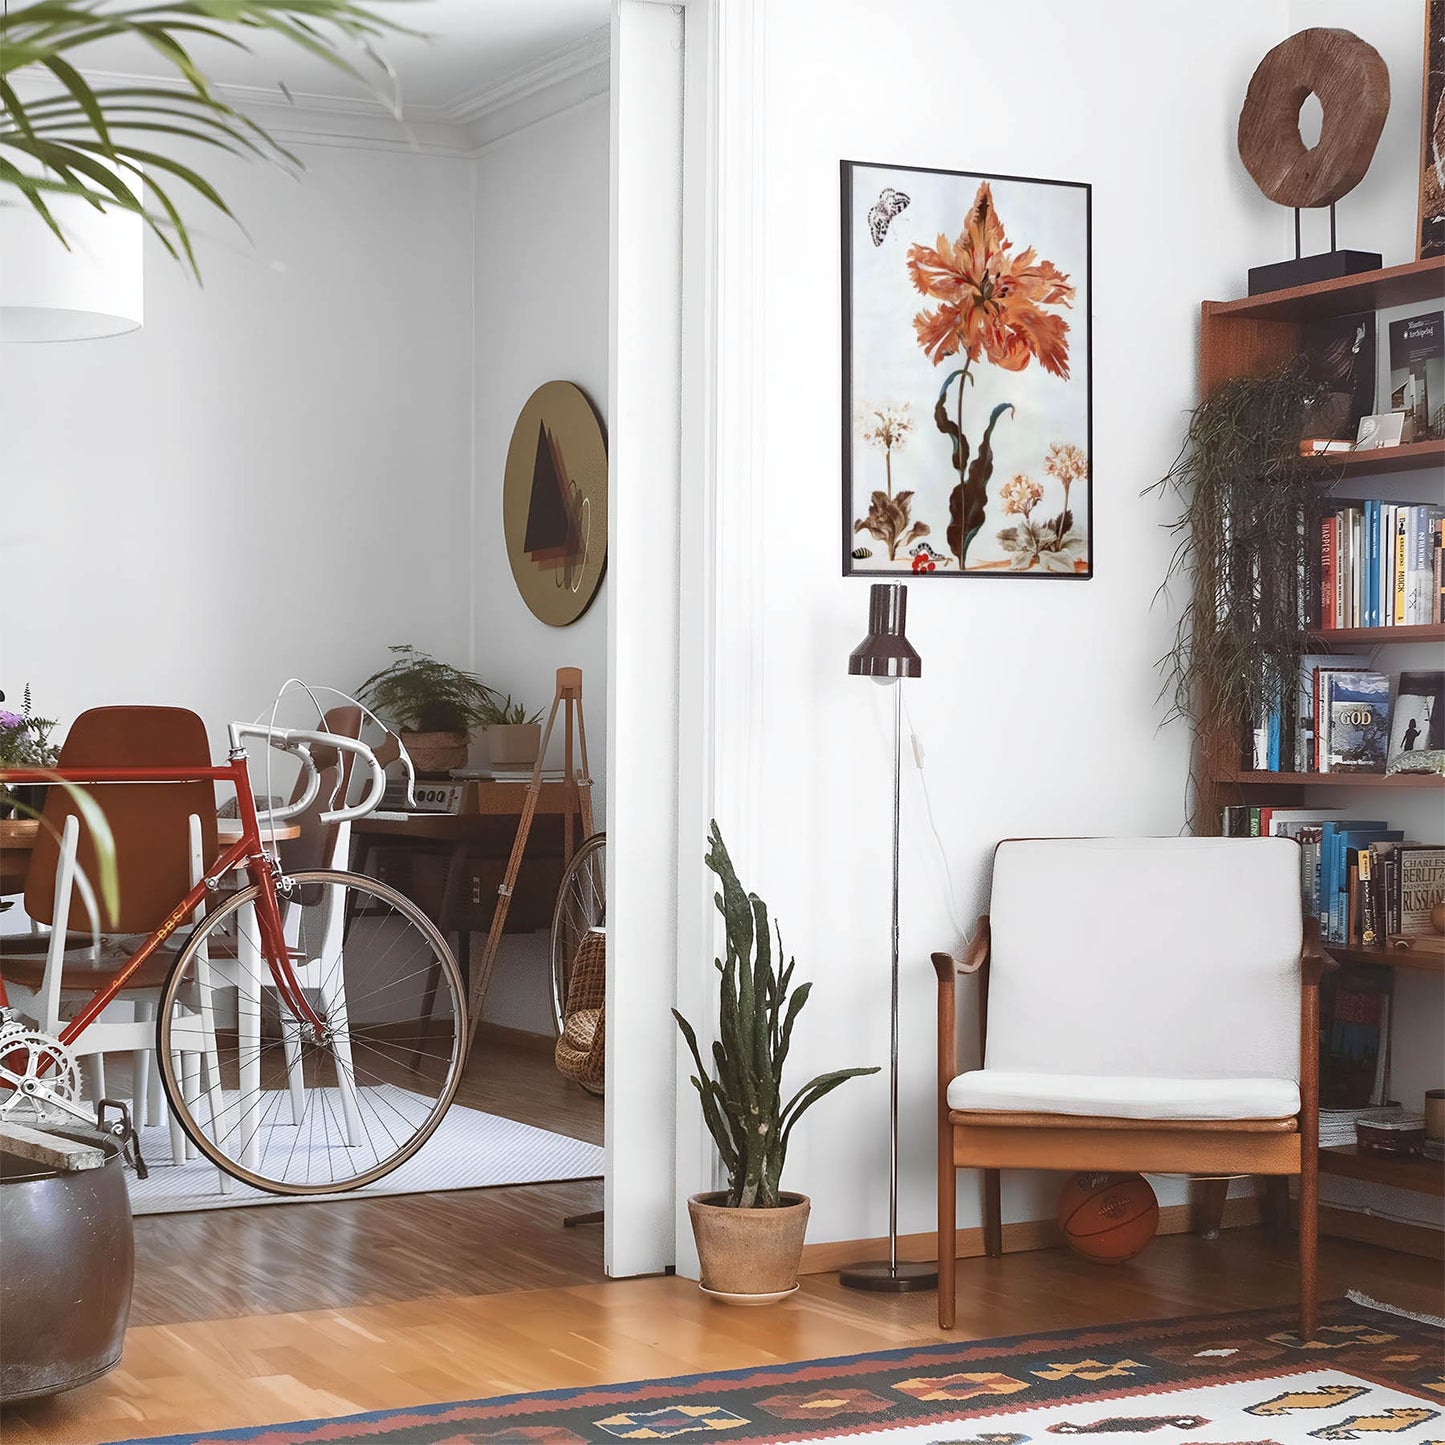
point(974, 957)
point(1313, 961)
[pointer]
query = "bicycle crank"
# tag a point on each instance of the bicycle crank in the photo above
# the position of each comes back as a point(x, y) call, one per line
point(37, 1074)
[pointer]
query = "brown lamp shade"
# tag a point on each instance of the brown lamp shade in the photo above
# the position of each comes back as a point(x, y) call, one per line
point(886, 652)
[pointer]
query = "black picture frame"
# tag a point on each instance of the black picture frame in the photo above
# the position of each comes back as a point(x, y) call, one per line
point(870, 177)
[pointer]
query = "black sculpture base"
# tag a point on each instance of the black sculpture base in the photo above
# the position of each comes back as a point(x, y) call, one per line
point(1306, 270)
point(881, 1278)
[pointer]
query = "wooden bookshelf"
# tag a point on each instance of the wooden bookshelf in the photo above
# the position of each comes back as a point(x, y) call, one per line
point(1253, 336)
point(1422, 961)
point(1413, 1172)
point(1426, 456)
point(1415, 281)
point(1378, 636)
point(1248, 779)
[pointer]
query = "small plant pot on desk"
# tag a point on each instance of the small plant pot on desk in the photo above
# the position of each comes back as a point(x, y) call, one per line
point(513, 745)
point(434, 755)
point(749, 1256)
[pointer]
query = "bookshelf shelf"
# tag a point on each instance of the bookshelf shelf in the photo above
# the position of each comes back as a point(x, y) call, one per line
point(1420, 962)
point(1366, 291)
point(1329, 780)
point(1376, 636)
point(1407, 457)
point(1414, 1172)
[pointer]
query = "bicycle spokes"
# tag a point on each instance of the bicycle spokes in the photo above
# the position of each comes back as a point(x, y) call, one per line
point(327, 1074)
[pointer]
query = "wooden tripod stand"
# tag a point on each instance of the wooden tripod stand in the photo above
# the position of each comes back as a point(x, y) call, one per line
point(577, 781)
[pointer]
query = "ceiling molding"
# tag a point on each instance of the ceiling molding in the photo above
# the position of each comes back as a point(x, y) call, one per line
point(591, 53)
point(567, 77)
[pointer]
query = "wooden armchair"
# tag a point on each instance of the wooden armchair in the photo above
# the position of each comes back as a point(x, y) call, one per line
point(1145, 1004)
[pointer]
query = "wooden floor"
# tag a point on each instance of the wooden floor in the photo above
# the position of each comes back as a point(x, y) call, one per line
point(225, 1263)
point(257, 1316)
point(266, 1369)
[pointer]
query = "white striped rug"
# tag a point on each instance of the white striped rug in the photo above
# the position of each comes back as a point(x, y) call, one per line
point(470, 1150)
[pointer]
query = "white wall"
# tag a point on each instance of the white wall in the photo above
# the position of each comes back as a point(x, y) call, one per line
point(541, 278)
point(1037, 707)
point(303, 421)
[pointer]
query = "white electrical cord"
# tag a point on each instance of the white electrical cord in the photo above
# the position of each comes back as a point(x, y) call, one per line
point(915, 747)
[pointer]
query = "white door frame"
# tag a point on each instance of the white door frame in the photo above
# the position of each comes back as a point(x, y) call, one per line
point(683, 623)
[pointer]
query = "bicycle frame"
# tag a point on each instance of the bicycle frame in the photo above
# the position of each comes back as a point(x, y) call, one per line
point(248, 850)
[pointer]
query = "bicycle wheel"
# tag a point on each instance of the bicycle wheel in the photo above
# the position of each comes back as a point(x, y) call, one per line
point(287, 1108)
point(581, 904)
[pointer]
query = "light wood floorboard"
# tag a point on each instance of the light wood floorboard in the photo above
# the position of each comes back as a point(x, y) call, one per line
point(221, 1373)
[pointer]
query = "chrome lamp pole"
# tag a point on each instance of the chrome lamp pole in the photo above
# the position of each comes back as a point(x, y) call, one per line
point(887, 657)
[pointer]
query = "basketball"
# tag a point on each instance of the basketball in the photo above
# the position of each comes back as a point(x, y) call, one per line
point(1108, 1217)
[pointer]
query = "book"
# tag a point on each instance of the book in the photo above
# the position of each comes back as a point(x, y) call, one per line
point(1339, 352)
point(1420, 587)
point(1355, 1038)
point(1417, 369)
point(1420, 885)
point(1311, 665)
point(1417, 721)
point(1355, 716)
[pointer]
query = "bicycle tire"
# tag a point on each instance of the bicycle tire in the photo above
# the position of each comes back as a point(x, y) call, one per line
point(581, 904)
point(198, 982)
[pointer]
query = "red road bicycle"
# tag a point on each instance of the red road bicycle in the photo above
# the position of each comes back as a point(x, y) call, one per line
point(311, 1029)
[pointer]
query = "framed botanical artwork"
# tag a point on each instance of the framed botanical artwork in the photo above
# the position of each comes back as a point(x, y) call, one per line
point(967, 411)
point(1432, 134)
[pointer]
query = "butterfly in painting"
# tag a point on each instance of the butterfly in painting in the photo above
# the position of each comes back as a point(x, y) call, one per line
point(889, 204)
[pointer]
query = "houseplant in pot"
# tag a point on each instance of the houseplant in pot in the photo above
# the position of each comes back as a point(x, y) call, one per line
point(750, 1235)
point(513, 738)
point(434, 704)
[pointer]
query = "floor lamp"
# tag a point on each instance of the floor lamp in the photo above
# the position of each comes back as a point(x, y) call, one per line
point(886, 656)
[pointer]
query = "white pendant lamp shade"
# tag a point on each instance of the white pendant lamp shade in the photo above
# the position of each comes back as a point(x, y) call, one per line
point(48, 293)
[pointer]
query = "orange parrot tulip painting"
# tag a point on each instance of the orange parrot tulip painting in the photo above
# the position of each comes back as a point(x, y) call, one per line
point(966, 348)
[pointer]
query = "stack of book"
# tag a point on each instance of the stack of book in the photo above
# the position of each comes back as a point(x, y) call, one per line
point(1361, 878)
point(1379, 565)
point(1337, 1126)
point(1348, 718)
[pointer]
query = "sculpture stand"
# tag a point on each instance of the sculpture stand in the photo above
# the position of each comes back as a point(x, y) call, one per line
point(1306, 270)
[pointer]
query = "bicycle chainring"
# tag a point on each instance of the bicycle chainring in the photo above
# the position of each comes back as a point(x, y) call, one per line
point(28, 1054)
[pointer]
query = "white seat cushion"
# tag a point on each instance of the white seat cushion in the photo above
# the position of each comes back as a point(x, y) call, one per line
point(1118, 1097)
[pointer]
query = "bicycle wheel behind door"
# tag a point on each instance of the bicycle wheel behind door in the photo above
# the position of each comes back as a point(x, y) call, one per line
point(277, 1103)
point(581, 905)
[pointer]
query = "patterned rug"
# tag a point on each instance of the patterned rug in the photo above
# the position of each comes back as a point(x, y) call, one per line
point(1238, 1379)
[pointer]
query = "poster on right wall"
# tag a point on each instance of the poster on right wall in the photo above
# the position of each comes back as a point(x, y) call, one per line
point(1432, 140)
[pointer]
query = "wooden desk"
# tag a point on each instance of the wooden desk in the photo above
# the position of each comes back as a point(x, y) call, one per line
point(451, 864)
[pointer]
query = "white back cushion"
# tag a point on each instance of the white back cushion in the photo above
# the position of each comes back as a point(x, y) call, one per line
point(1165, 957)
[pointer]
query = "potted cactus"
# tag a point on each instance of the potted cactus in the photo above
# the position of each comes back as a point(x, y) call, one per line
point(750, 1235)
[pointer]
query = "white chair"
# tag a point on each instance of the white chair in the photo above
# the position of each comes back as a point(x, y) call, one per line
point(1145, 1004)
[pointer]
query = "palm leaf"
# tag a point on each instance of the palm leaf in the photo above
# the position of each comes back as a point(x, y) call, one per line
point(58, 140)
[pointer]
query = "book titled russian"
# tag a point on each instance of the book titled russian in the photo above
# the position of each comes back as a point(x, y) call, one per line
point(1417, 369)
point(1357, 716)
point(1421, 881)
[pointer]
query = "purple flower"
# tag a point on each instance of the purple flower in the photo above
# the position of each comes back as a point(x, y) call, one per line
point(11, 719)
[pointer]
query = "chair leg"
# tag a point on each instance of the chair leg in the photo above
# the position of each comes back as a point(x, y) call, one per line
point(1206, 1198)
point(992, 1214)
point(1276, 1205)
point(947, 1227)
point(1308, 1245)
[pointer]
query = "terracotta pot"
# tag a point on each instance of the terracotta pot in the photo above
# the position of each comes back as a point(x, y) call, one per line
point(434, 755)
point(513, 745)
point(749, 1251)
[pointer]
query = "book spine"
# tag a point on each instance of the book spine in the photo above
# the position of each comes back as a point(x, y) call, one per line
point(1322, 722)
point(1327, 574)
point(1372, 562)
point(1369, 933)
point(1386, 592)
point(1437, 603)
point(1398, 605)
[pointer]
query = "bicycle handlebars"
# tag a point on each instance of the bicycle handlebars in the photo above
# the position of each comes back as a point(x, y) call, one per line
point(300, 741)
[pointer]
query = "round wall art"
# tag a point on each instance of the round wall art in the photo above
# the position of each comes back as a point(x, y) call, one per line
point(554, 503)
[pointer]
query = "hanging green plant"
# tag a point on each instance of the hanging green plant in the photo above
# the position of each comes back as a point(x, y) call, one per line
point(1242, 548)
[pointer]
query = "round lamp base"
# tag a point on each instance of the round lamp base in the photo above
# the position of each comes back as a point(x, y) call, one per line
point(882, 1278)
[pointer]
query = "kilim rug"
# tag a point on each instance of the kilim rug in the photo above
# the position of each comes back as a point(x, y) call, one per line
point(1237, 1379)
